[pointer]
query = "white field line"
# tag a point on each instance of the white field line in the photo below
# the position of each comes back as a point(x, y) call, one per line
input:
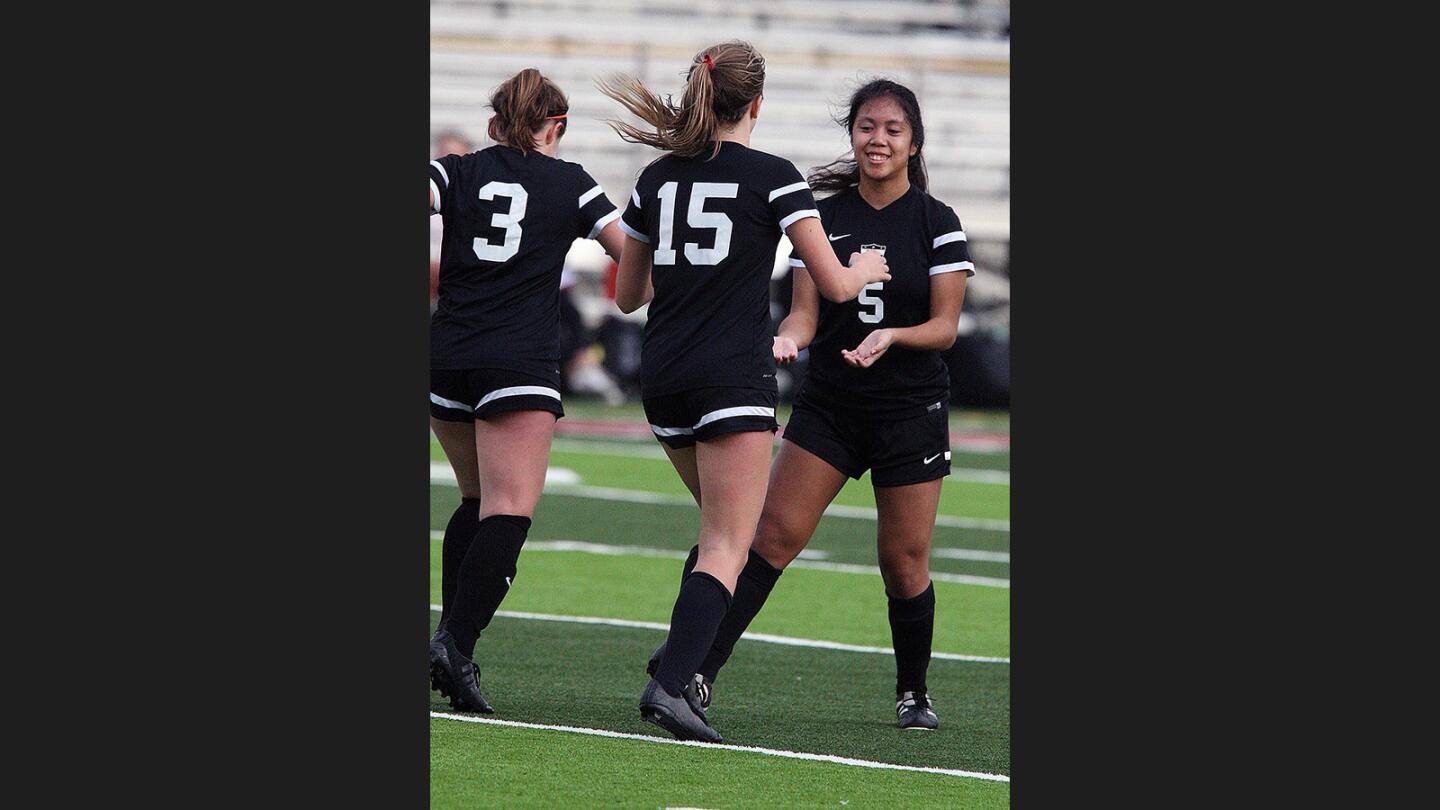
point(653, 451)
point(556, 481)
point(817, 565)
point(789, 641)
point(774, 752)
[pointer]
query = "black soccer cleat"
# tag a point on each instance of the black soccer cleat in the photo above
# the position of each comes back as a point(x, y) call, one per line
point(680, 715)
point(916, 712)
point(702, 686)
point(455, 676)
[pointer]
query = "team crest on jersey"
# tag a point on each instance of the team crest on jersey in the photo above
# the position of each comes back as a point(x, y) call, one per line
point(876, 248)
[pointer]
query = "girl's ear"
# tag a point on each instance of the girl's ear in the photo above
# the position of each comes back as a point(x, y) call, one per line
point(755, 107)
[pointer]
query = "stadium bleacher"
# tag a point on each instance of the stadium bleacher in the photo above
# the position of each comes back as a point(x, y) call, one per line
point(954, 55)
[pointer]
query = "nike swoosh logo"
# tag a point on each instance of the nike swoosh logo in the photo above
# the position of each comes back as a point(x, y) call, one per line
point(507, 579)
point(841, 236)
point(932, 458)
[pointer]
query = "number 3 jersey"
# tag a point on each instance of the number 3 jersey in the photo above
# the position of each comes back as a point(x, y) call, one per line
point(920, 237)
point(713, 225)
point(510, 219)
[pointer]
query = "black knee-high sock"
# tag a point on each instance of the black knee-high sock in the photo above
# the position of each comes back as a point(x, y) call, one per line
point(699, 608)
point(458, 534)
point(753, 587)
point(912, 625)
point(485, 576)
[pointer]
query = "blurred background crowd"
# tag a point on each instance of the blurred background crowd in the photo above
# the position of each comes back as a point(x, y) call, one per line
point(955, 55)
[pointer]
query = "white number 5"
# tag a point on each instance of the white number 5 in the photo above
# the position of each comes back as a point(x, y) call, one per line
point(868, 300)
point(510, 221)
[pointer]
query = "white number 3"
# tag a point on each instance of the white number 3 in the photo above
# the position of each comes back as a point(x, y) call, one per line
point(510, 220)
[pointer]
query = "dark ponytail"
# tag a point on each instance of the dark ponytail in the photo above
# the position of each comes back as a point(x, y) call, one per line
point(522, 104)
point(844, 172)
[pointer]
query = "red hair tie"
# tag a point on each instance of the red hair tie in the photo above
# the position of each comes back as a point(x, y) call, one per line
point(710, 63)
point(561, 115)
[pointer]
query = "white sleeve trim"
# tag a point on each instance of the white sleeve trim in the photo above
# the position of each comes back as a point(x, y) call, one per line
point(790, 189)
point(435, 209)
point(635, 195)
point(437, 165)
point(796, 263)
point(602, 222)
point(953, 236)
point(590, 195)
point(634, 234)
point(954, 267)
point(797, 216)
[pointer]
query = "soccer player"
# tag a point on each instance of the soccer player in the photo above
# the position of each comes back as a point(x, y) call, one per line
point(876, 394)
point(701, 230)
point(511, 213)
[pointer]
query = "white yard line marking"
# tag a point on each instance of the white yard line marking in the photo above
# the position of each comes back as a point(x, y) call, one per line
point(817, 565)
point(440, 473)
point(774, 752)
point(789, 641)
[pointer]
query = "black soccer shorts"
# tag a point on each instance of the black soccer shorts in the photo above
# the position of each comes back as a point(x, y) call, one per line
point(480, 393)
point(701, 414)
point(897, 452)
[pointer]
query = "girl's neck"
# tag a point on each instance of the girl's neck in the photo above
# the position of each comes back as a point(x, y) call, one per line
point(880, 193)
point(740, 133)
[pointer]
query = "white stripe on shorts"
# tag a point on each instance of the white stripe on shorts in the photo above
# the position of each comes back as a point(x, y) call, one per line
point(659, 431)
point(727, 413)
point(518, 391)
point(449, 403)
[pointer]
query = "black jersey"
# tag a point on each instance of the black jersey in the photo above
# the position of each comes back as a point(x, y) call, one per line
point(713, 224)
point(509, 219)
point(920, 237)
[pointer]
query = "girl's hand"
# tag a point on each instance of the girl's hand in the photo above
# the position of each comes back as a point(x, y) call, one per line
point(871, 265)
point(869, 350)
point(784, 350)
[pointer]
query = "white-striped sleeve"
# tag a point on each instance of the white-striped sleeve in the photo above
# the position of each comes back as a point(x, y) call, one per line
point(632, 233)
point(590, 195)
point(947, 238)
point(435, 192)
point(602, 222)
point(797, 216)
point(444, 177)
point(953, 267)
point(790, 189)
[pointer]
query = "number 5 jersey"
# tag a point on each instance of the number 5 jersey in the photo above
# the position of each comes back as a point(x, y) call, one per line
point(920, 237)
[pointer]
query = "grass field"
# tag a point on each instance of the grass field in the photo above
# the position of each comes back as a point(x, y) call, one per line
point(592, 599)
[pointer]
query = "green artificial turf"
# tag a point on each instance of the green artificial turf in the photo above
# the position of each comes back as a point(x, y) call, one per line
point(824, 605)
point(477, 766)
point(769, 695)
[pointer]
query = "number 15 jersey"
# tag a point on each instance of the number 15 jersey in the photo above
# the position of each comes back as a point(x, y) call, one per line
point(713, 225)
